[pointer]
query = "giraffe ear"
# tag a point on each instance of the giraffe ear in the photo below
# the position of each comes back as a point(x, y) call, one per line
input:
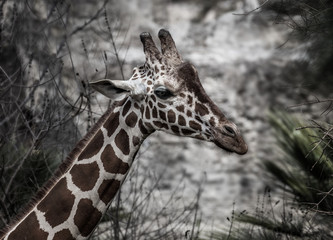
point(114, 89)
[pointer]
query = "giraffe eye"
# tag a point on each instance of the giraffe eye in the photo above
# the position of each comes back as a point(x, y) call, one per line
point(163, 93)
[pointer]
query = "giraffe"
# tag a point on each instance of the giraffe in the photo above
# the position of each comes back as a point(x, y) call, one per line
point(165, 94)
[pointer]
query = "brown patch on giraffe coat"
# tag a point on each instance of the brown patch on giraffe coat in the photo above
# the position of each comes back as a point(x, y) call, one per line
point(156, 69)
point(63, 234)
point(175, 129)
point(153, 98)
point(187, 131)
point(31, 226)
point(131, 119)
point(181, 120)
point(136, 141)
point(85, 176)
point(147, 112)
point(190, 100)
point(161, 125)
point(180, 108)
point(93, 146)
point(154, 112)
point(143, 130)
point(112, 163)
point(160, 105)
point(212, 121)
point(171, 116)
point(199, 119)
point(195, 125)
point(149, 126)
point(150, 104)
point(158, 124)
point(189, 113)
point(86, 217)
point(122, 141)
point(62, 201)
point(199, 136)
point(142, 109)
point(112, 123)
point(108, 190)
point(162, 115)
point(201, 109)
point(126, 107)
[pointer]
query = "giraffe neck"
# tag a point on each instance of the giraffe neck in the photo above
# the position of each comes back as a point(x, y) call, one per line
point(79, 195)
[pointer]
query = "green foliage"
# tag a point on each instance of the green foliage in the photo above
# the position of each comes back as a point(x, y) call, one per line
point(271, 220)
point(303, 171)
point(307, 166)
point(22, 172)
point(311, 21)
point(315, 15)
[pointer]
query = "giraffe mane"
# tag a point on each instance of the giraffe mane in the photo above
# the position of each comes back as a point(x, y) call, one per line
point(62, 168)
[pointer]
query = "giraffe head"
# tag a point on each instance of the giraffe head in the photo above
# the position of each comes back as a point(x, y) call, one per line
point(169, 96)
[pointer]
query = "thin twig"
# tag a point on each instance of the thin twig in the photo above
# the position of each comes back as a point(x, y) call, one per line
point(115, 49)
point(249, 12)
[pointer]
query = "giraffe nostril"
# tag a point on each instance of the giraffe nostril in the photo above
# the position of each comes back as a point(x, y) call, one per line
point(229, 131)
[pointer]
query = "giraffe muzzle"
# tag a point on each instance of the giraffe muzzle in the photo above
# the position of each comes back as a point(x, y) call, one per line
point(230, 140)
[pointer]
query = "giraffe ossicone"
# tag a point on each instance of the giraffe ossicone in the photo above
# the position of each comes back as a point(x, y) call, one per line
point(163, 94)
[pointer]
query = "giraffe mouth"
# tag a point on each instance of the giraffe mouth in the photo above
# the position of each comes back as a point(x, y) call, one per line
point(241, 150)
point(230, 143)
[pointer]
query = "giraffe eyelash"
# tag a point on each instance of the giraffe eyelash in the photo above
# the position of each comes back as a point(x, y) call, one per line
point(163, 93)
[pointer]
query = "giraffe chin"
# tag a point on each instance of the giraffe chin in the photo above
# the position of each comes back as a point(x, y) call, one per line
point(229, 145)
